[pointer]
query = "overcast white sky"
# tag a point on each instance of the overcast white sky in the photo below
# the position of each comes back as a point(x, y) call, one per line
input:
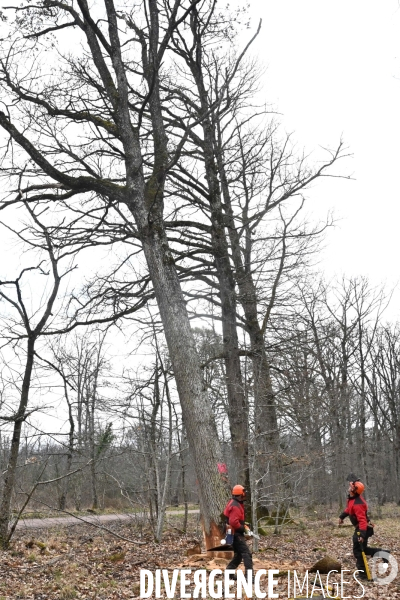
point(333, 69)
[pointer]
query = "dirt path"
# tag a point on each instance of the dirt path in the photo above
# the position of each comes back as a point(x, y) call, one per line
point(66, 521)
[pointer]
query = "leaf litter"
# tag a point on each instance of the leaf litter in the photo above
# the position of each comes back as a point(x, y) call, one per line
point(79, 562)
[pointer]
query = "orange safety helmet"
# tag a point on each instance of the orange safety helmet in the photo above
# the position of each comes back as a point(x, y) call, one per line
point(357, 487)
point(238, 490)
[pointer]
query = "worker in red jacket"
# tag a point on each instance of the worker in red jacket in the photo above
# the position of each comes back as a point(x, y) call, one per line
point(357, 510)
point(235, 520)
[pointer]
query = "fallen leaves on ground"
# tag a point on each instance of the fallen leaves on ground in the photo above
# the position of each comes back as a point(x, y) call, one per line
point(80, 562)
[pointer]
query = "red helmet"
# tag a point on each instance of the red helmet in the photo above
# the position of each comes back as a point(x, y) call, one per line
point(238, 490)
point(357, 487)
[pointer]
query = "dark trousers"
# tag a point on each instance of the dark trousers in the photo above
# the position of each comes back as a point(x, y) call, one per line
point(242, 553)
point(368, 551)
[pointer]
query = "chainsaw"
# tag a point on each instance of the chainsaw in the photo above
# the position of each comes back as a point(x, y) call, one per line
point(249, 533)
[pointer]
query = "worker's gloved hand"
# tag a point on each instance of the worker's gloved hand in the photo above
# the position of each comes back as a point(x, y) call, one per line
point(341, 521)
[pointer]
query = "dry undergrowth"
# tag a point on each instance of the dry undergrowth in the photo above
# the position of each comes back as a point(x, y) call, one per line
point(80, 562)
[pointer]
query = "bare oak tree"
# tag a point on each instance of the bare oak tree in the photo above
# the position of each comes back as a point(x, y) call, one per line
point(111, 91)
point(24, 324)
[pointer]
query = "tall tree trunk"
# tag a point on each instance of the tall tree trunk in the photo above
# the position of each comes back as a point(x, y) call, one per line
point(154, 449)
point(65, 483)
point(266, 421)
point(9, 481)
point(91, 403)
point(197, 415)
point(396, 435)
point(237, 402)
point(363, 420)
point(78, 478)
point(162, 490)
point(93, 483)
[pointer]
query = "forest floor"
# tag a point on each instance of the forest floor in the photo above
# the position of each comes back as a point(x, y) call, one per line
point(83, 562)
point(97, 518)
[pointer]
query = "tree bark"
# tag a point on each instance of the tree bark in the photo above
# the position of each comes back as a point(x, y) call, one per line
point(9, 481)
point(237, 402)
point(266, 421)
point(197, 416)
point(70, 451)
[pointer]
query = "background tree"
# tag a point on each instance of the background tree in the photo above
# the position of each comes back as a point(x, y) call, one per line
point(23, 328)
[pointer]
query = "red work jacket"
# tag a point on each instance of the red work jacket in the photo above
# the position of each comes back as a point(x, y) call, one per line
point(234, 513)
point(357, 509)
